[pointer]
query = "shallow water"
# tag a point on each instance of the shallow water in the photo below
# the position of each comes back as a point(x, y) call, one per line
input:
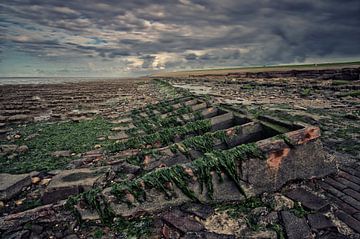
point(47, 80)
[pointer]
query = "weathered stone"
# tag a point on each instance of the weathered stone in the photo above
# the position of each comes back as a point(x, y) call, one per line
point(36, 229)
point(351, 201)
point(118, 136)
point(332, 235)
point(270, 218)
point(349, 177)
point(70, 182)
point(319, 221)
point(126, 168)
point(260, 234)
point(8, 148)
point(156, 200)
point(72, 236)
point(307, 199)
point(354, 194)
point(207, 235)
point(169, 233)
point(334, 183)
point(47, 213)
point(348, 220)
point(22, 149)
point(201, 210)
point(181, 221)
point(329, 188)
point(62, 153)
point(22, 234)
point(281, 202)
point(296, 228)
point(284, 164)
point(12, 184)
point(19, 118)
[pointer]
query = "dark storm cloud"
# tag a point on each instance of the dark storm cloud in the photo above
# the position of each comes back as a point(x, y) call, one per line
point(186, 33)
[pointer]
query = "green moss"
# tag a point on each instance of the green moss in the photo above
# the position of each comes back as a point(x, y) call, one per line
point(164, 137)
point(340, 82)
point(305, 92)
point(299, 211)
point(243, 207)
point(134, 228)
point(278, 229)
point(77, 137)
point(354, 93)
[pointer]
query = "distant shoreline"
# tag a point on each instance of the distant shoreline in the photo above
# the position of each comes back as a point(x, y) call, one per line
point(314, 66)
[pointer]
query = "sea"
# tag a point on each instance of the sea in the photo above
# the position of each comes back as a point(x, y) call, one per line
point(50, 80)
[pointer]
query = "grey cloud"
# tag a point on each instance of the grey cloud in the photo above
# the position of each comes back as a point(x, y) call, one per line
point(273, 32)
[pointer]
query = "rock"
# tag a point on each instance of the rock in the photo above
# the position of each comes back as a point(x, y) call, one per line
point(31, 136)
point(181, 221)
point(118, 136)
point(169, 233)
point(8, 148)
point(296, 228)
point(2, 204)
point(201, 210)
point(45, 181)
point(307, 199)
point(126, 168)
point(36, 228)
point(12, 184)
point(306, 159)
point(17, 136)
point(332, 235)
point(282, 203)
point(70, 182)
point(19, 202)
point(63, 153)
point(72, 236)
point(271, 218)
point(23, 234)
point(268, 234)
point(22, 149)
point(19, 118)
point(35, 180)
point(319, 222)
point(207, 235)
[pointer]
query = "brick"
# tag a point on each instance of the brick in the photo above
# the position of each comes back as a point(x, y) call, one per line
point(353, 193)
point(349, 177)
point(350, 170)
point(307, 199)
point(332, 235)
point(348, 183)
point(335, 183)
point(351, 201)
point(345, 207)
point(330, 189)
point(348, 220)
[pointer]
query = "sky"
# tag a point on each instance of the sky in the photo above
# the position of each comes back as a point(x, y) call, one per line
point(117, 38)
